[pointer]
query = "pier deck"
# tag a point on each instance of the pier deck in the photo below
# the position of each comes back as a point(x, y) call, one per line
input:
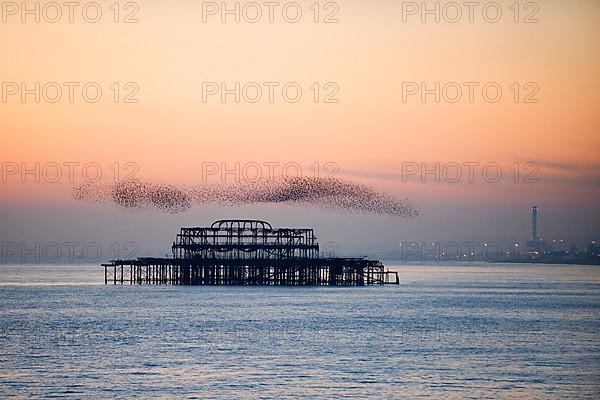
point(301, 272)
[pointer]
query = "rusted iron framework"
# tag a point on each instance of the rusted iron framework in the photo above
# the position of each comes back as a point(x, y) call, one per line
point(248, 252)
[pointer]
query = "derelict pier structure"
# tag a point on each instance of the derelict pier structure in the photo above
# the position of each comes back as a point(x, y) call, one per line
point(248, 252)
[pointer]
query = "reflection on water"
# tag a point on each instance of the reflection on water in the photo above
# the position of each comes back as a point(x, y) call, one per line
point(450, 332)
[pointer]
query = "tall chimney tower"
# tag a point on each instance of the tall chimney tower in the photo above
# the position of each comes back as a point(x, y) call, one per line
point(534, 211)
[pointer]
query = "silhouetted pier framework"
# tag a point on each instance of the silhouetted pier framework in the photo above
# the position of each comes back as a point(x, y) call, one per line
point(247, 252)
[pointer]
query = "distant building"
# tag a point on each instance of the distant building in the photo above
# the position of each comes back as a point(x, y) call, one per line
point(554, 252)
point(534, 211)
point(593, 250)
point(536, 247)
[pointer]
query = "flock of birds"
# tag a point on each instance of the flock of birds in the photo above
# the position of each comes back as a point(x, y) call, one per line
point(330, 193)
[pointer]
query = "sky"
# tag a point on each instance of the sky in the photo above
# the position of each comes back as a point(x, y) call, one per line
point(380, 106)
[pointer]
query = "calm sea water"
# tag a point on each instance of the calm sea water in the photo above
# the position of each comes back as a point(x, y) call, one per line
point(452, 332)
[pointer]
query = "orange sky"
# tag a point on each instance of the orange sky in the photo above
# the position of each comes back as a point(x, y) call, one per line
point(369, 53)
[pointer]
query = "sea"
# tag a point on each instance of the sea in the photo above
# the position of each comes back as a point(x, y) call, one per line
point(460, 331)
